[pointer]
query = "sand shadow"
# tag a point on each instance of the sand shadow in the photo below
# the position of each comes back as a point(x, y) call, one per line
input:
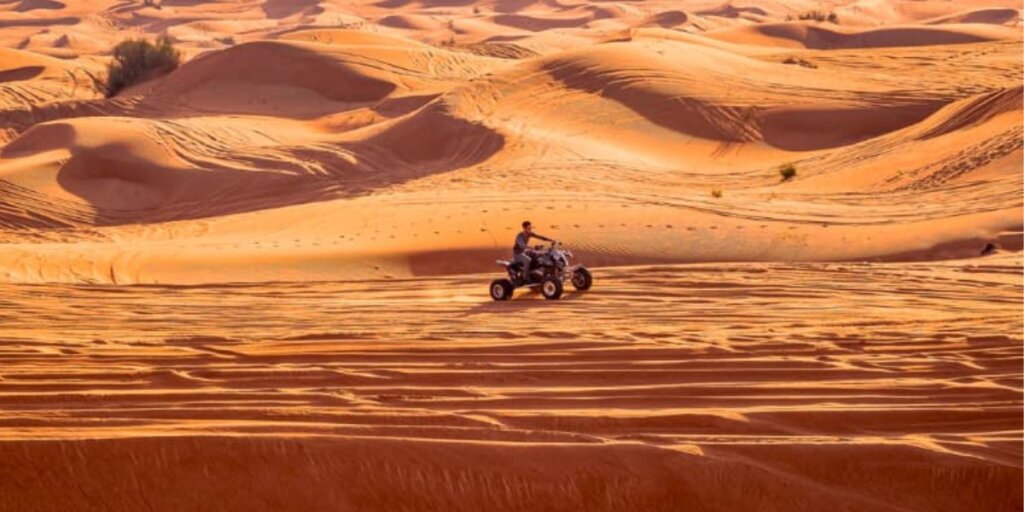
point(19, 74)
point(523, 300)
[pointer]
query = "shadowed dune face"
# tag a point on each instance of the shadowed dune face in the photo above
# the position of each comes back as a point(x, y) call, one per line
point(674, 101)
point(806, 129)
point(275, 64)
point(433, 134)
point(826, 38)
point(22, 73)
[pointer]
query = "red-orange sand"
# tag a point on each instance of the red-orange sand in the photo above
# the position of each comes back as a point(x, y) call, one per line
point(259, 282)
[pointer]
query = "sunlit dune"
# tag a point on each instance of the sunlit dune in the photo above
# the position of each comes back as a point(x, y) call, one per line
point(258, 280)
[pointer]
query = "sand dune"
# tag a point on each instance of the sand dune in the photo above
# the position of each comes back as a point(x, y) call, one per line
point(311, 203)
point(819, 37)
point(388, 120)
point(995, 16)
point(811, 386)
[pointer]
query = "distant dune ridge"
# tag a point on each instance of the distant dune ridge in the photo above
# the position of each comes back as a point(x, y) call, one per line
point(308, 192)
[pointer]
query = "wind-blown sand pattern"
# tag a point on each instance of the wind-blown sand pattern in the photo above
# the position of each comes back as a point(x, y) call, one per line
point(309, 204)
point(782, 387)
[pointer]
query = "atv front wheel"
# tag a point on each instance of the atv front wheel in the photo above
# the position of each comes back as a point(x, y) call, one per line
point(501, 289)
point(581, 279)
point(551, 288)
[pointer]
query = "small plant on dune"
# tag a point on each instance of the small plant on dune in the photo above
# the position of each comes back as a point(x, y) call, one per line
point(819, 16)
point(136, 60)
point(716, 193)
point(226, 40)
point(787, 171)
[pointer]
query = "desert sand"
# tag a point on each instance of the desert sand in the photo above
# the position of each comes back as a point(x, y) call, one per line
point(258, 282)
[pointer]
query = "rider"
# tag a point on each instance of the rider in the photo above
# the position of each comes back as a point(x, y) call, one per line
point(521, 250)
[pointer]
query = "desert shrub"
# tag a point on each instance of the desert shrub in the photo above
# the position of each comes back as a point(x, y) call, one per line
point(787, 171)
point(819, 16)
point(226, 40)
point(716, 193)
point(135, 60)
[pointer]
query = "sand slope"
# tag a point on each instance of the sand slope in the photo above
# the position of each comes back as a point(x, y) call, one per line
point(247, 136)
point(809, 387)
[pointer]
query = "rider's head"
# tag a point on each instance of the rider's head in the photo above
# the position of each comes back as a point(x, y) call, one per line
point(527, 227)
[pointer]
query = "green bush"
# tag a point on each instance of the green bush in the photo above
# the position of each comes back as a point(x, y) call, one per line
point(787, 171)
point(137, 60)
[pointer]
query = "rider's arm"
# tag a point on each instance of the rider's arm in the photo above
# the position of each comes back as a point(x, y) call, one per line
point(542, 237)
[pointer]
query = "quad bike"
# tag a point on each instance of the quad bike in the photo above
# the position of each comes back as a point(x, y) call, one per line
point(550, 269)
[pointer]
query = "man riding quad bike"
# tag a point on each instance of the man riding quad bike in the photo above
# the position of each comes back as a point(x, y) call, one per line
point(546, 268)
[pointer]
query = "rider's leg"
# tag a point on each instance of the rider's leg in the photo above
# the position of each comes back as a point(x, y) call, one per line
point(524, 261)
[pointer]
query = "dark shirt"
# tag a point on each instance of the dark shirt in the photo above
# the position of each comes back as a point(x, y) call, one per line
point(523, 241)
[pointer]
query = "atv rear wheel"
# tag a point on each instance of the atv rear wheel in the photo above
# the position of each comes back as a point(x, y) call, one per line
point(581, 279)
point(551, 288)
point(501, 289)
